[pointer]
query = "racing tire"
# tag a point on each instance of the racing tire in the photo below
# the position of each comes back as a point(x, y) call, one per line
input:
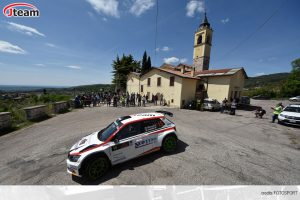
point(169, 144)
point(96, 167)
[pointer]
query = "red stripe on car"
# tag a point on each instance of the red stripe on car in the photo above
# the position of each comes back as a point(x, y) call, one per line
point(109, 139)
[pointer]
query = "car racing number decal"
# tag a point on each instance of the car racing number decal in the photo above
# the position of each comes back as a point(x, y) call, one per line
point(145, 142)
point(121, 146)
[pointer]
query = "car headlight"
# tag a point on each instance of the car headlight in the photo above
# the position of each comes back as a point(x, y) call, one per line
point(73, 158)
point(281, 115)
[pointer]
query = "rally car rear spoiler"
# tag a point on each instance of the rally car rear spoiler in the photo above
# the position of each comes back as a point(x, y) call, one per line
point(165, 112)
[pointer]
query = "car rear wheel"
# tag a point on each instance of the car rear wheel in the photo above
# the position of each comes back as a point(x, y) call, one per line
point(96, 168)
point(169, 144)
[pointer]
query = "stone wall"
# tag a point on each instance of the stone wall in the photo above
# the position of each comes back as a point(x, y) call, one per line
point(35, 112)
point(59, 107)
point(5, 120)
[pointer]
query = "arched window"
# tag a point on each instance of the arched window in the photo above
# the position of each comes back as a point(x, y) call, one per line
point(199, 41)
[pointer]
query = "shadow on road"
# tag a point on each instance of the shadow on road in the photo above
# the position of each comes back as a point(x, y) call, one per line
point(130, 165)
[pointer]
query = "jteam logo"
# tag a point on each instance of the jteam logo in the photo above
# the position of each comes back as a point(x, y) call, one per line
point(21, 10)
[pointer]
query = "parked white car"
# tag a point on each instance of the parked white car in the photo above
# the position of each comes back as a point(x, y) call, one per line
point(211, 104)
point(126, 138)
point(290, 115)
point(295, 99)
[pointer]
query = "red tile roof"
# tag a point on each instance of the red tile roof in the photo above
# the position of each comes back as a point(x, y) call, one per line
point(178, 73)
point(212, 71)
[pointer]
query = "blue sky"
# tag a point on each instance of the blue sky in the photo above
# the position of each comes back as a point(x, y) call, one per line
point(74, 42)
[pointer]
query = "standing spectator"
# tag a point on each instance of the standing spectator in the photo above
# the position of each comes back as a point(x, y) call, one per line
point(108, 100)
point(155, 99)
point(161, 102)
point(139, 100)
point(144, 100)
point(94, 99)
point(277, 111)
point(233, 107)
point(222, 106)
point(127, 100)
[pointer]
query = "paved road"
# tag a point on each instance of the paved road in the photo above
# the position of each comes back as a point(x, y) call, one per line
point(214, 149)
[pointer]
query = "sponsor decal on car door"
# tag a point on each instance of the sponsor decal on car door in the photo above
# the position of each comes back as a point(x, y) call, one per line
point(123, 147)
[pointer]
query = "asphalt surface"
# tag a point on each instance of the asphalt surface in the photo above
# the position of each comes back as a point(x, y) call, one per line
point(214, 148)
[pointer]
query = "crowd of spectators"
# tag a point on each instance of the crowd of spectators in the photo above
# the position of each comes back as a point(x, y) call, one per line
point(116, 99)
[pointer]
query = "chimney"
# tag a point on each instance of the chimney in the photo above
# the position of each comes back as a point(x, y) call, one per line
point(182, 69)
point(193, 72)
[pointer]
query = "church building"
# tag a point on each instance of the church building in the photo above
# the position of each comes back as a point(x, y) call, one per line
point(178, 85)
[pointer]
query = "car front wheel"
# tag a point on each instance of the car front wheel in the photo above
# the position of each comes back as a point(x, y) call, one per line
point(169, 144)
point(96, 168)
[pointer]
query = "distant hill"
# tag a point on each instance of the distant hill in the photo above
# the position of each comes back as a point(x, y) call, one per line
point(56, 89)
point(22, 88)
point(266, 80)
point(92, 88)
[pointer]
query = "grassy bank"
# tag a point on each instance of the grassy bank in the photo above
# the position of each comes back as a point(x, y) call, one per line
point(15, 106)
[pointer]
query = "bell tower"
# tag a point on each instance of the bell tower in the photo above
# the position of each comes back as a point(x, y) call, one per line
point(202, 46)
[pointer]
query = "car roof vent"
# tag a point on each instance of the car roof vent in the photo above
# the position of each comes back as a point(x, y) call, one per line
point(123, 118)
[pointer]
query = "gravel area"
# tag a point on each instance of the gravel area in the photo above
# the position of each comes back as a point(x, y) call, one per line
point(214, 148)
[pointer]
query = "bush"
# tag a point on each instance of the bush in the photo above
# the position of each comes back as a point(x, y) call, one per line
point(265, 91)
point(48, 98)
point(291, 86)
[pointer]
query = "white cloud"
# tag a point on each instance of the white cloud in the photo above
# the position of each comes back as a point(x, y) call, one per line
point(104, 19)
point(165, 49)
point(40, 65)
point(140, 6)
point(183, 60)
point(7, 47)
point(225, 21)
point(193, 7)
point(51, 45)
point(259, 74)
point(24, 29)
point(271, 59)
point(106, 7)
point(73, 67)
point(171, 60)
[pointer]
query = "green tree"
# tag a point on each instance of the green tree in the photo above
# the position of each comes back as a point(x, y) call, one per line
point(149, 65)
point(291, 86)
point(296, 65)
point(121, 68)
point(146, 63)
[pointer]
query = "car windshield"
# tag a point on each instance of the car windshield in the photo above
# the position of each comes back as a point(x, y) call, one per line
point(292, 109)
point(211, 101)
point(208, 101)
point(104, 134)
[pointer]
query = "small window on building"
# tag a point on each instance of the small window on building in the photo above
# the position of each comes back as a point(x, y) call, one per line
point(199, 41)
point(149, 82)
point(159, 81)
point(142, 88)
point(172, 100)
point(172, 80)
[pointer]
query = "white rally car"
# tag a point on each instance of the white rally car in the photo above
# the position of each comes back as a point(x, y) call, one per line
point(126, 138)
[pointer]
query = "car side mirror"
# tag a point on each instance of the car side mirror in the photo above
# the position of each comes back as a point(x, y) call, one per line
point(116, 141)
